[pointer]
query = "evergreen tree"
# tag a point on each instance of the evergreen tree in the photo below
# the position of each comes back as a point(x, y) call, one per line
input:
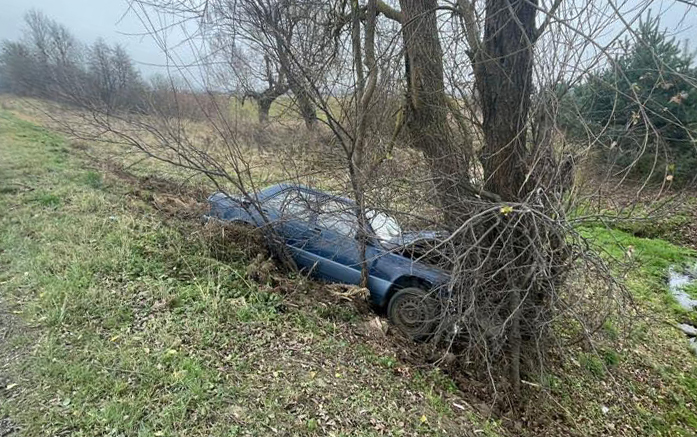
point(642, 111)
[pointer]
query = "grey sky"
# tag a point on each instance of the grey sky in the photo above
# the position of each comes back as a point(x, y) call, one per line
point(90, 19)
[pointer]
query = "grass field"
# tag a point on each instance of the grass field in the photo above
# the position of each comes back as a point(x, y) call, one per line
point(124, 324)
point(118, 317)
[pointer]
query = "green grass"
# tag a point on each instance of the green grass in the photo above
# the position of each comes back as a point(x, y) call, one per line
point(641, 369)
point(666, 228)
point(648, 260)
point(129, 325)
point(654, 256)
point(282, 108)
point(691, 290)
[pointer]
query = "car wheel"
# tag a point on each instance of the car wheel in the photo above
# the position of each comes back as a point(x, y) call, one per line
point(414, 312)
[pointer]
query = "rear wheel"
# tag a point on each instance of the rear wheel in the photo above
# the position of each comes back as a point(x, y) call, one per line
point(414, 312)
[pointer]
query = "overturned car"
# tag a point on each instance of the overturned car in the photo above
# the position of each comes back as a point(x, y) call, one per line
point(320, 231)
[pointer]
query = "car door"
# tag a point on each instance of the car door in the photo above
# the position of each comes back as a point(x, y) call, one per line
point(294, 220)
point(335, 243)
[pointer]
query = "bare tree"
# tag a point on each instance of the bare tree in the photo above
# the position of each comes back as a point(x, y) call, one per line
point(270, 32)
point(114, 80)
point(15, 61)
point(511, 248)
point(55, 54)
point(50, 62)
point(276, 86)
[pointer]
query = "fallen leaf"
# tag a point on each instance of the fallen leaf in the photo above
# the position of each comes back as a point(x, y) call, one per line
point(377, 325)
point(635, 118)
point(678, 98)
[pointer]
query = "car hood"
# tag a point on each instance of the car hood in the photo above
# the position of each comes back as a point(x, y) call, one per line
point(412, 237)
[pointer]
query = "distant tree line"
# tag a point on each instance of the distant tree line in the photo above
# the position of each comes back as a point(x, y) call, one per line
point(49, 62)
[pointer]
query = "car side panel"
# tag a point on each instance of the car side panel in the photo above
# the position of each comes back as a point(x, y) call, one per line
point(226, 208)
point(332, 270)
point(391, 267)
point(340, 258)
point(331, 256)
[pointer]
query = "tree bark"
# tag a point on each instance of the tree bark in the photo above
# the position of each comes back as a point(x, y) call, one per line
point(365, 89)
point(503, 64)
point(305, 106)
point(503, 71)
point(297, 85)
point(426, 115)
point(265, 99)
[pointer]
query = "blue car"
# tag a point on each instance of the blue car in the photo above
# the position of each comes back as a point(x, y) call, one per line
point(320, 230)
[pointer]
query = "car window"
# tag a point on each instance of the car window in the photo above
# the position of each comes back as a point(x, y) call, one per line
point(338, 217)
point(293, 204)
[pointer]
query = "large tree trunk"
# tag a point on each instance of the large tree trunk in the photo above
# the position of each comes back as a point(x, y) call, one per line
point(503, 73)
point(517, 250)
point(305, 106)
point(503, 69)
point(427, 105)
point(298, 87)
point(296, 84)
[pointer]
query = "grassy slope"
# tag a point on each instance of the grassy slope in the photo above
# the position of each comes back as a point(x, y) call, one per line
point(641, 370)
point(131, 327)
point(140, 330)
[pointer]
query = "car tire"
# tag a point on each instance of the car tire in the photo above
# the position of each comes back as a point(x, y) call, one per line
point(414, 312)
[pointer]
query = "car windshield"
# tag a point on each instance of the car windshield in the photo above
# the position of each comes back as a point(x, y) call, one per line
point(385, 227)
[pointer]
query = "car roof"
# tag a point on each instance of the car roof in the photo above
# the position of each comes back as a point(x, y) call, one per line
point(275, 189)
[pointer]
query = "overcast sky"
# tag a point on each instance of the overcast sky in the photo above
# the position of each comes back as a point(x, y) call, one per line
point(89, 20)
point(110, 19)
